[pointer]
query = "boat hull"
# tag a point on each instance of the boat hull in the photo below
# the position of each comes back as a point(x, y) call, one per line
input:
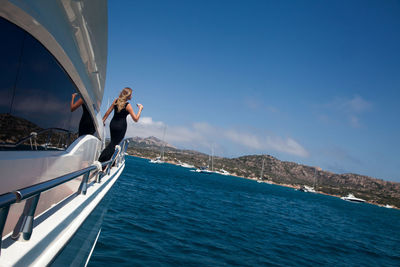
point(354, 200)
point(70, 230)
point(78, 250)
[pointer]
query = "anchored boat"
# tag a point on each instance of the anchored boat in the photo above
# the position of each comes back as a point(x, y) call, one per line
point(53, 192)
point(350, 197)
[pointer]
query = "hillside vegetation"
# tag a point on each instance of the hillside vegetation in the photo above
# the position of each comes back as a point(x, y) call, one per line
point(373, 190)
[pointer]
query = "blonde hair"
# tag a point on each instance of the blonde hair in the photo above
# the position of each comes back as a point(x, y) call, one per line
point(123, 98)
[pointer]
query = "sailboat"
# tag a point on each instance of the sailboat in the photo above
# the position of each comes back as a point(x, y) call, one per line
point(311, 189)
point(206, 170)
point(259, 180)
point(160, 159)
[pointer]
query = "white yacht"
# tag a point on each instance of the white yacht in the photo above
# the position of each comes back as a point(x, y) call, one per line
point(157, 160)
point(204, 170)
point(222, 172)
point(185, 165)
point(307, 189)
point(53, 192)
point(350, 197)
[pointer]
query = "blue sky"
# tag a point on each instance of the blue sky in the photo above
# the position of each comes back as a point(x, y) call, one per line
point(314, 82)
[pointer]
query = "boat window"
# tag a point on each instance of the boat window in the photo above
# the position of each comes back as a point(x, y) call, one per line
point(35, 95)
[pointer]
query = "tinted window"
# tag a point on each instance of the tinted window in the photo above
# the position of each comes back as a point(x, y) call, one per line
point(10, 51)
point(35, 95)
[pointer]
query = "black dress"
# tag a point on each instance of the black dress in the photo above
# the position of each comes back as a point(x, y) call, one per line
point(86, 125)
point(117, 130)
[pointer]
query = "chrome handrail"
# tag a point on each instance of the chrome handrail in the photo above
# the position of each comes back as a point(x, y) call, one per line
point(32, 193)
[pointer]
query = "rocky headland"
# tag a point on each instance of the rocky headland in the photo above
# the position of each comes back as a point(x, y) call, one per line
point(373, 190)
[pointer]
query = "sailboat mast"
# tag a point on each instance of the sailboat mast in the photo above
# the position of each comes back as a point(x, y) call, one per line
point(163, 144)
point(262, 169)
point(316, 170)
point(212, 158)
point(315, 177)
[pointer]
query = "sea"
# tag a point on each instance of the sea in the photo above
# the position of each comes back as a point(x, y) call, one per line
point(166, 215)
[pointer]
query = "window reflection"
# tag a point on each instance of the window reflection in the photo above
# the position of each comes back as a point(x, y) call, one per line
point(35, 95)
point(10, 49)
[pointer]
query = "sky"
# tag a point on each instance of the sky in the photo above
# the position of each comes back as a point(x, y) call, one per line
point(313, 82)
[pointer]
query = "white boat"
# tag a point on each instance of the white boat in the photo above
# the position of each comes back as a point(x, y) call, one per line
point(53, 192)
point(388, 206)
point(350, 197)
point(156, 160)
point(185, 165)
point(160, 159)
point(311, 189)
point(204, 170)
point(222, 172)
point(308, 189)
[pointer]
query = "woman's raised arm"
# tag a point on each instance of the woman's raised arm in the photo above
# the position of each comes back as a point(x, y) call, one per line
point(134, 116)
point(77, 104)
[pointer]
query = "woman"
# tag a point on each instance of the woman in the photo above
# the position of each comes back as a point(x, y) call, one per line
point(86, 125)
point(118, 124)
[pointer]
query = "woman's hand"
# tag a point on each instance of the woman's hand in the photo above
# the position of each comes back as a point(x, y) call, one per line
point(140, 106)
point(74, 95)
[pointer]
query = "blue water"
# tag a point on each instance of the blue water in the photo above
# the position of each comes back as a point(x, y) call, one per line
point(165, 215)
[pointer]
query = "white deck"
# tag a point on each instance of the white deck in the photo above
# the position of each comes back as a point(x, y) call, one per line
point(51, 235)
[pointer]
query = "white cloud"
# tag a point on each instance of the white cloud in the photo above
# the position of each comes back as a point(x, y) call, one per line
point(149, 121)
point(201, 135)
point(349, 108)
point(288, 145)
point(203, 127)
point(355, 105)
point(245, 139)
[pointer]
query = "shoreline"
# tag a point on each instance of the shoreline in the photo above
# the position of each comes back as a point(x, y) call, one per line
point(284, 185)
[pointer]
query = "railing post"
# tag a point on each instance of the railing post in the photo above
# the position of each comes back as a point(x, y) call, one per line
point(25, 222)
point(115, 158)
point(122, 153)
point(3, 219)
point(83, 187)
point(98, 171)
point(98, 178)
point(118, 160)
point(108, 168)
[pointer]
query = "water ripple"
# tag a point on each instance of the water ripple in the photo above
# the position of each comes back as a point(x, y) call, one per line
point(163, 215)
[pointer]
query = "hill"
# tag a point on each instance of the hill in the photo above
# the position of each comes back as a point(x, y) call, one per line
point(376, 191)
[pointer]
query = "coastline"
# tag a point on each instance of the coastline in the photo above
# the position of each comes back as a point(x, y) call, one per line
point(295, 187)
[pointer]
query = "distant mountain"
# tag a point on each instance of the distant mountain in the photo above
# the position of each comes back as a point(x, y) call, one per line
point(150, 142)
point(14, 128)
point(280, 172)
